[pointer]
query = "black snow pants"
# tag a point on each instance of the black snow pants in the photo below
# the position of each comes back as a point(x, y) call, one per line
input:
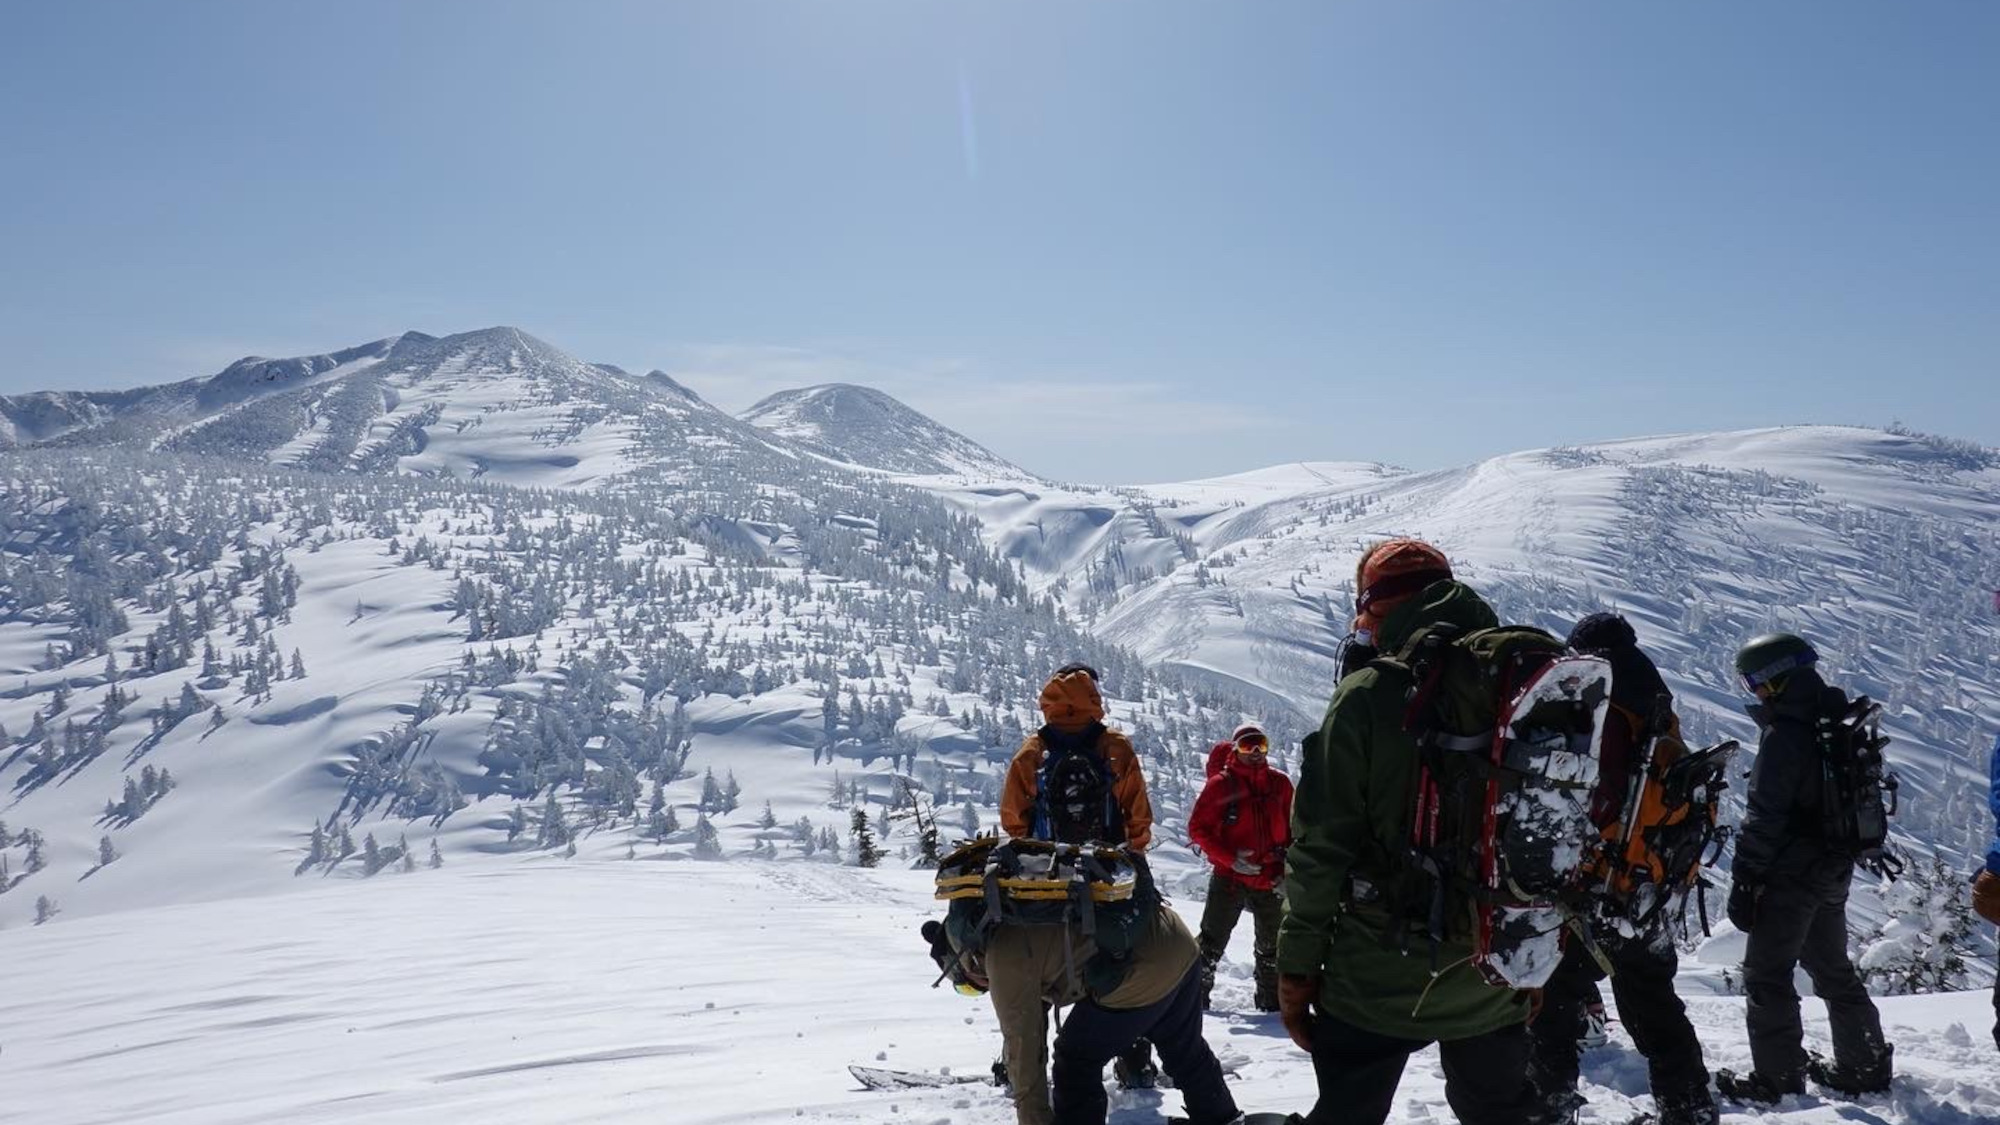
point(1802, 920)
point(1642, 980)
point(1226, 900)
point(1485, 1077)
point(1093, 1035)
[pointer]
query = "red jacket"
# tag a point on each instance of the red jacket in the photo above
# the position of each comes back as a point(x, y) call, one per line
point(1244, 808)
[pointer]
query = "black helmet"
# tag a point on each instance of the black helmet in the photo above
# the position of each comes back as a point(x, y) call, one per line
point(1766, 660)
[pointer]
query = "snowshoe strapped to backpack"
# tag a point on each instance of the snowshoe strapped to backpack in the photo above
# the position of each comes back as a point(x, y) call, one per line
point(1669, 830)
point(1508, 723)
point(1105, 892)
point(1859, 793)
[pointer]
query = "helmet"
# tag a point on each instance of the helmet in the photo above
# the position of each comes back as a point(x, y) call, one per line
point(1766, 660)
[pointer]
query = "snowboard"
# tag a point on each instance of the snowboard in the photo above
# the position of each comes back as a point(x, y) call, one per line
point(876, 1078)
point(1539, 829)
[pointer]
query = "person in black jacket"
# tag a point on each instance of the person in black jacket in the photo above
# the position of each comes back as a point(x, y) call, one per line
point(1643, 964)
point(1789, 891)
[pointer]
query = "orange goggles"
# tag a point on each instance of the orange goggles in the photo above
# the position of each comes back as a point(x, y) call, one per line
point(1255, 744)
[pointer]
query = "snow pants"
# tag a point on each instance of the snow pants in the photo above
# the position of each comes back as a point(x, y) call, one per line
point(1803, 921)
point(1093, 1035)
point(1226, 900)
point(1642, 980)
point(1485, 1077)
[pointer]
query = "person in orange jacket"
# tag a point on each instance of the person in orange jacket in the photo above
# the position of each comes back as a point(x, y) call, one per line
point(1242, 823)
point(1075, 781)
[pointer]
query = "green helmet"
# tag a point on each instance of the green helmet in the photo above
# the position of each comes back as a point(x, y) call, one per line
point(1769, 658)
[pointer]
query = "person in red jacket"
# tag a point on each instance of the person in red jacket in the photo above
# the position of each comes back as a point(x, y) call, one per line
point(1242, 823)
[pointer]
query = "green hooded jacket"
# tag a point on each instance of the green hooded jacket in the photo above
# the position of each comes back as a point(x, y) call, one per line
point(1351, 819)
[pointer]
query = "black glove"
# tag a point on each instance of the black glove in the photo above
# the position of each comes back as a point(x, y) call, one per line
point(1743, 898)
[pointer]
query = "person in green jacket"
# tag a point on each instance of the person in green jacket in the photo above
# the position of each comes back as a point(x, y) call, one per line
point(1362, 988)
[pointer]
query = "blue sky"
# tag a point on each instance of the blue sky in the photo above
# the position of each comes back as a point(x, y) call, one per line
point(1113, 241)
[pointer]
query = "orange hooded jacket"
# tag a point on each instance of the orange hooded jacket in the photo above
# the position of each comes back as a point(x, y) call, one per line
point(1070, 702)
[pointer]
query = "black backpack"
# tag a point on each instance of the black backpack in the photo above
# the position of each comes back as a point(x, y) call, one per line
point(1074, 801)
point(1858, 792)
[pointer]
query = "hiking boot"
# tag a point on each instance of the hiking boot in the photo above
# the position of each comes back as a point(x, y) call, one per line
point(1757, 1087)
point(1871, 1077)
point(1267, 996)
point(1135, 1069)
point(1000, 1078)
point(1207, 981)
point(1694, 1107)
point(1559, 1107)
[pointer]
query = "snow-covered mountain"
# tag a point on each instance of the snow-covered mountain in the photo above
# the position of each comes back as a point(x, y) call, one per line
point(862, 426)
point(494, 404)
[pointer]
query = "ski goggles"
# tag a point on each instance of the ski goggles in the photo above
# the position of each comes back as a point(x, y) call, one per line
point(1761, 679)
point(1253, 744)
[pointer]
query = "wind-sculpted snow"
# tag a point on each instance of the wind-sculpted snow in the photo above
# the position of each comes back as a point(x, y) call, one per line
point(1883, 547)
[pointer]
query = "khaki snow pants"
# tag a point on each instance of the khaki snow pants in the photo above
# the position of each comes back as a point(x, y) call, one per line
point(1020, 961)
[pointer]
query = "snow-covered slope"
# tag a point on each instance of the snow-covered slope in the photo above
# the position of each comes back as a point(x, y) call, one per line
point(1883, 547)
point(863, 427)
point(563, 991)
point(420, 659)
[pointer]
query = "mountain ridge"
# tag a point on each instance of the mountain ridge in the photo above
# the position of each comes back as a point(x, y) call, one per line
point(421, 403)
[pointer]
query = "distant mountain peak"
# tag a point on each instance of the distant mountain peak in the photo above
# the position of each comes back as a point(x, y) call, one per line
point(870, 428)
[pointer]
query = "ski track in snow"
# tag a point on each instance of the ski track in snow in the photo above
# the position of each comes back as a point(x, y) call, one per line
point(512, 992)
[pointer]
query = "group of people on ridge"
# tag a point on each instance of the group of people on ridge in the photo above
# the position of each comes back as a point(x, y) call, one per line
point(1367, 954)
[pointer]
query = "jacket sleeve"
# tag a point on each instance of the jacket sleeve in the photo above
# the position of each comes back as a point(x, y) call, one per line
point(1281, 795)
point(1329, 827)
point(1993, 797)
point(1775, 779)
point(1130, 790)
point(1017, 795)
point(1205, 819)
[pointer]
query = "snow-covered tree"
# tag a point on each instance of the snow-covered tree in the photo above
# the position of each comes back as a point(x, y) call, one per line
point(866, 853)
point(1920, 945)
point(707, 842)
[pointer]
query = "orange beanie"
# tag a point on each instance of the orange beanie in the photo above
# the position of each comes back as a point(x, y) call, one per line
point(1391, 573)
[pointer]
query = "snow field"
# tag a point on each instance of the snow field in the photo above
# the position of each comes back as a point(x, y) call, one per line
point(535, 992)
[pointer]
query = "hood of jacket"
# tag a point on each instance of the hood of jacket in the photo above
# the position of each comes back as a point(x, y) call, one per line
point(1447, 602)
point(1071, 703)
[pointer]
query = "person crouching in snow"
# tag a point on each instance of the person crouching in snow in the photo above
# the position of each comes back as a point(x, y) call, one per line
point(1242, 823)
point(1073, 781)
